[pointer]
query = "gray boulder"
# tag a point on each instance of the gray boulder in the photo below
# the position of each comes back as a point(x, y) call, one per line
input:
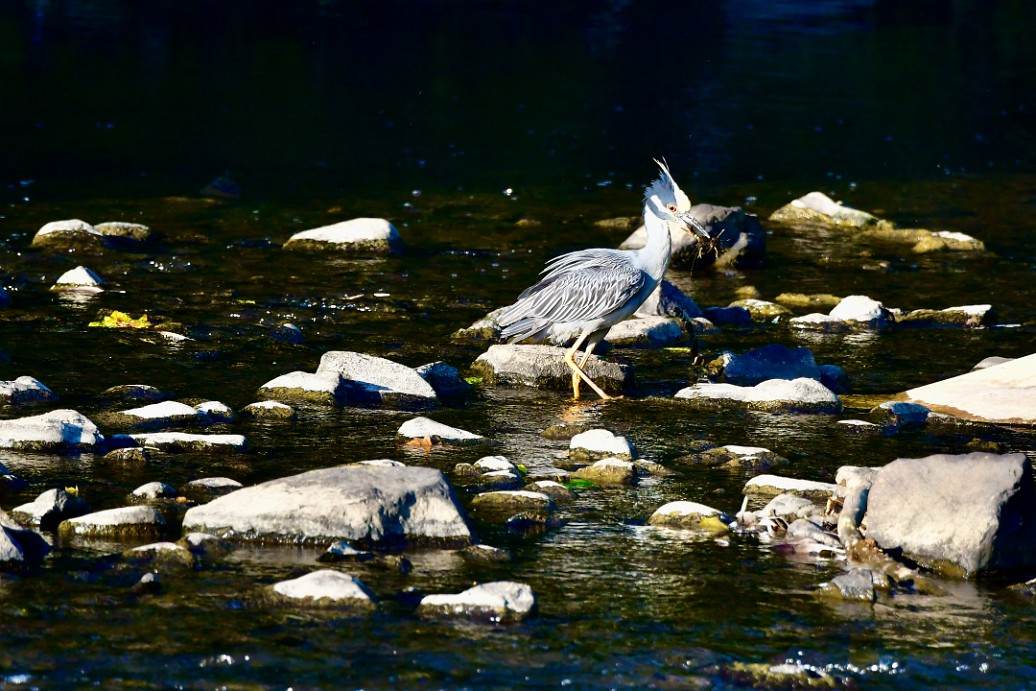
point(863, 312)
point(970, 316)
point(595, 444)
point(58, 430)
point(376, 381)
point(897, 415)
point(20, 549)
point(445, 380)
point(542, 366)
point(646, 332)
point(124, 523)
point(365, 504)
point(497, 602)
point(817, 209)
point(326, 388)
point(426, 429)
point(356, 236)
point(269, 410)
point(182, 442)
point(25, 390)
point(962, 514)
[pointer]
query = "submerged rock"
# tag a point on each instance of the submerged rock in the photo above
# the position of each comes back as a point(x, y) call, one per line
point(749, 458)
point(1002, 394)
point(769, 486)
point(206, 489)
point(445, 380)
point(58, 430)
point(135, 393)
point(761, 310)
point(269, 410)
point(897, 415)
point(497, 602)
point(969, 513)
point(47, 510)
point(542, 366)
point(364, 504)
point(25, 390)
point(356, 236)
point(774, 395)
point(124, 523)
point(326, 588)
point(970, 316)
point(861, 584)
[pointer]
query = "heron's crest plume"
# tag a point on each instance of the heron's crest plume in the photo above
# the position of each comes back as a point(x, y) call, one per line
point(666, 191)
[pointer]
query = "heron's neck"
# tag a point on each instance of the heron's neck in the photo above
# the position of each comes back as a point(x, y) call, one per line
point(654, 255)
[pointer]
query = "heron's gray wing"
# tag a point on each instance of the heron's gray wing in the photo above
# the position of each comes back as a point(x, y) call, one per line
point(580, 286)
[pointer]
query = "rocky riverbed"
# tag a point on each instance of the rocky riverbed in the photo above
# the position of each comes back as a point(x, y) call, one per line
point(238, 455)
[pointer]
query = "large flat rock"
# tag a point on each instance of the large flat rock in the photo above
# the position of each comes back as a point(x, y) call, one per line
point(1004, 394)
point(370, 505)
point(543, 366)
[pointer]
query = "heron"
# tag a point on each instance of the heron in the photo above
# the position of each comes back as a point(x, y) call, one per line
point(584, 293)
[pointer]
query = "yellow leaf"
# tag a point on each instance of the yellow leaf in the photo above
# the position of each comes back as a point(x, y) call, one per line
point(121, 320)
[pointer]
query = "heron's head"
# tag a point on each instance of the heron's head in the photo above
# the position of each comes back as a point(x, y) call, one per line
point(667, 201)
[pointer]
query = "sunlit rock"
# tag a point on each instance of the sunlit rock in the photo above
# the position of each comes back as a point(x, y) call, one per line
point(948, 241)
point(72, 234)
point(689, 515)
point(596, 444)
point(788, 675)
point(179, 442)
point(991, 361)
point(161, 556)
point(897, 415)
point(860, 583)
point(970, 316)
point(153, 490)
point(823, 323)
point(497, 602)
point(542, 366)
point(287, 333)
point(326, 388)
point(768, 486)
point(553, 489)
point(155, 415)
point(816, 301)
point(816, 208)
point(125, 231)
point(80, 280)
point(608, 472)
point(326, 589)
point(355, 236)
point(58, 430)
point(791, 507)
point(47, 510)
point(135, 393)
point(957, 513)
point(366, 505)
point(124, 523)
point(376, 381)
point(733, 456)
point(863, 312)
point(485, 554)
point(432, 432)
point(23, 390)
point(774, 395)
point(1005, 393)
point(215, 411)
point(205, 489)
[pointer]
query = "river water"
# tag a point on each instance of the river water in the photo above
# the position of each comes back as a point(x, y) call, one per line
point(494, 135)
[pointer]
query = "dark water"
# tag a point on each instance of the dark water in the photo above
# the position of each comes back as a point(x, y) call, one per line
point(425, 113)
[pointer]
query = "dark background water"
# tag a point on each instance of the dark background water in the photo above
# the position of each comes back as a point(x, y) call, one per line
point(425, 113)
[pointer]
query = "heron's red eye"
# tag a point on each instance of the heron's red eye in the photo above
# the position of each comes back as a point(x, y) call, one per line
point(672, 207)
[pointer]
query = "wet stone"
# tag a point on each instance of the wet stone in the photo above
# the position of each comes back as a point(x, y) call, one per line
point(762, 310)
point(445, 380)
point(791, 507)
point(125, 523)
point(555, 490)
point(861, 584)
point(134, 454)
point(208, 488)
point(71, 234)
point(729, 316)
point(163, 556)
point(768, 486)
point(751, 458)
point(774, 361)
point(79, 279)
point(305, 387)
point(376, 381)
point(341, 550)
point(608, 472)
point(135, 393)
point(689, 515)
point(823, 323)
point(485, 554)
point(20, 549)
point(156, 415)
point(646, 332)
point(815, 301)
point(970, 316)
point(596, 444)
point(25, 390)
point(497, 602)
point(900, 415)
point(182, 442)
point(269, 410)
point(154, 490)
point(863, 313)
point(206, 545)
point(816, 208)
point(287, 333)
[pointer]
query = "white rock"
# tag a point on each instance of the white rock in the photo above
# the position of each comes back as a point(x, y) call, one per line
point(216, 411)
point(497, 601)
point(375, 380)
point(154, 490)
point(649, 331)
point(55, 431)
point(601, 442)
point(325, 387)
point(327, 584)
point(861, 309)
point(772, 485)
point(794, 394)
point(422, 427)
point(495, 463)
point(166, 410)
point(25, 389)
point(126, 521)
point(182, 441)
point(690, 515)
point(1004, 394)
point(79, 279)
point(363, 233)
point(73, 225)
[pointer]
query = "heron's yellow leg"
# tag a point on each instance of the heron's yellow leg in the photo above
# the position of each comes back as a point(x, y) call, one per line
point(577, 369)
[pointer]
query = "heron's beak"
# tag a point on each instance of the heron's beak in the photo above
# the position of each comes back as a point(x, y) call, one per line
point(693, 225)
